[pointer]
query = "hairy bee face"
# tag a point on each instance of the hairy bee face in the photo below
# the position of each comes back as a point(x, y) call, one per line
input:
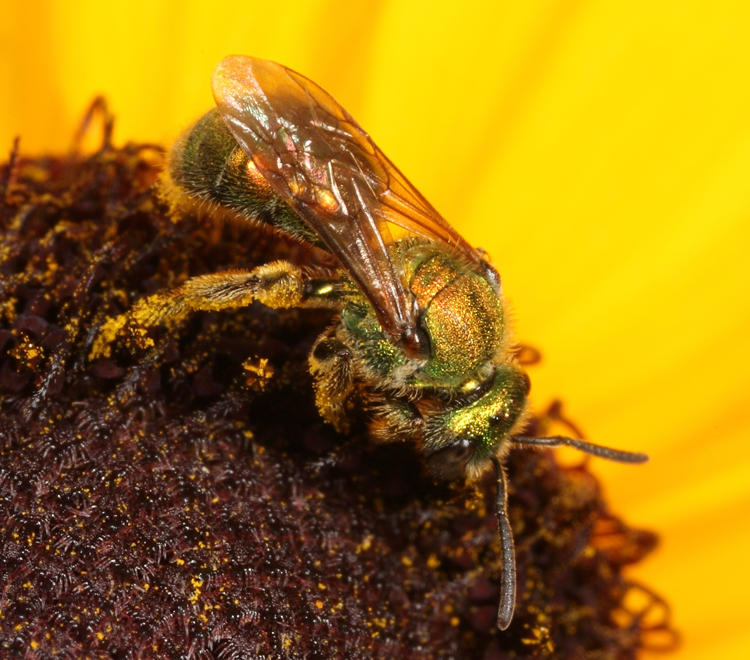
point(483, 424)
point(421, 337)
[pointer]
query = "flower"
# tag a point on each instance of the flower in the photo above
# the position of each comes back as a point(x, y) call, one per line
point(599, 153)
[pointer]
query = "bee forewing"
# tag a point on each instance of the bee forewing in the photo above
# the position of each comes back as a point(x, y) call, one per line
point(318, 159)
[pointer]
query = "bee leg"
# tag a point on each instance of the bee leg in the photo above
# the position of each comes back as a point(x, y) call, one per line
point(278, 285)
point(393, 420)
point(331, 367)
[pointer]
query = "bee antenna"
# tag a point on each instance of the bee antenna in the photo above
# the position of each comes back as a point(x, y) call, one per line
point(508, 574)
point(587, 447)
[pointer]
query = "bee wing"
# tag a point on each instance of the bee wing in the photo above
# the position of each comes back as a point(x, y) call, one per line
point(318, 159)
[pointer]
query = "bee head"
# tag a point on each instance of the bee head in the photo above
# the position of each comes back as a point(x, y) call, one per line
point(463, 438)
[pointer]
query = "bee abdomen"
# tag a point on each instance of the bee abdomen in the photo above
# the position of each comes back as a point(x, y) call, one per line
point(208, 164)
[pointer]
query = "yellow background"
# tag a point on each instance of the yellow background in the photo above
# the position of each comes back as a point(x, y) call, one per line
point(600, 151)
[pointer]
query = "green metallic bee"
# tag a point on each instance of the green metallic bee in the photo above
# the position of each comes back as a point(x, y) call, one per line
point(421, 334)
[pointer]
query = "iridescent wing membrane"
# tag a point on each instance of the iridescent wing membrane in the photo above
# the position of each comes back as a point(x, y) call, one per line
point(318, 159)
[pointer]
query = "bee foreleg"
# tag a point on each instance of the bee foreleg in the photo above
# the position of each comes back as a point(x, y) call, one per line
point(393, 419)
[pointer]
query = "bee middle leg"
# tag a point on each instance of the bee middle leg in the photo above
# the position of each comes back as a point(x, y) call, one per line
point(331, 368)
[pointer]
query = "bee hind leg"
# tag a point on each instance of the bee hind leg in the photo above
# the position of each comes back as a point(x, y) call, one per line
point(279, 285)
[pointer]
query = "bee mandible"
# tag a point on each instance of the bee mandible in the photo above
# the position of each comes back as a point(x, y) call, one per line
point(421, 331)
